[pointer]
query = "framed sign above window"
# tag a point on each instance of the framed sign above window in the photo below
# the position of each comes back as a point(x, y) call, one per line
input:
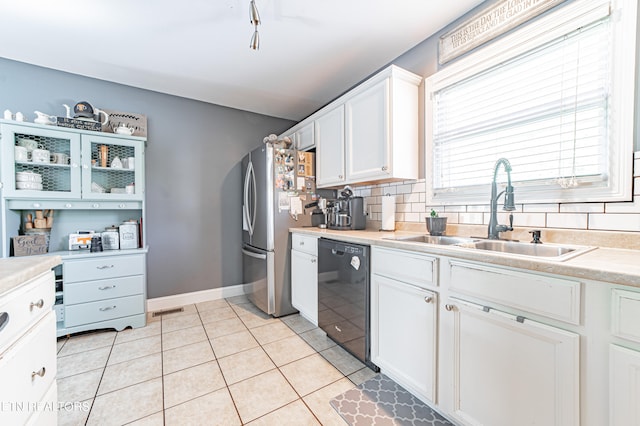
point(556, 98)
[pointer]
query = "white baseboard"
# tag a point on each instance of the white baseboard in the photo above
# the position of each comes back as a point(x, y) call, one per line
point(177, 300)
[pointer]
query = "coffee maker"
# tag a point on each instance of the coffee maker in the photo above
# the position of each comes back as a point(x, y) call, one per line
point(347, 212)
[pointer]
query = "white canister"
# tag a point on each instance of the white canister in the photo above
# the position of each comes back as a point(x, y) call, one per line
point(128, 234)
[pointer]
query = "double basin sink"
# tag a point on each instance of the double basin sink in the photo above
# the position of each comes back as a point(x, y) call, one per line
point(546, 251)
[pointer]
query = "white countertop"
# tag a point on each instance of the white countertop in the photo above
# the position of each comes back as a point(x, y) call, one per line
point(616, 266)
point(15, 271)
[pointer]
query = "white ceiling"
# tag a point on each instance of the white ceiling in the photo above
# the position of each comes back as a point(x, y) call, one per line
point(310, 51)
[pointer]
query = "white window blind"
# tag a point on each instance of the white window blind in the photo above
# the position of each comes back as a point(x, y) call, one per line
point(553, 109)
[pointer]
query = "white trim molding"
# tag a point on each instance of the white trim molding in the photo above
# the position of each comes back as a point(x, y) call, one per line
point(177, 300)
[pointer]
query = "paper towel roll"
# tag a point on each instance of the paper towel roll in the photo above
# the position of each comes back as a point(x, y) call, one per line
point(388, 213)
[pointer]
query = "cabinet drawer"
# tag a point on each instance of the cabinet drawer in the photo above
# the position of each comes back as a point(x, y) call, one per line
point(625, 321)
point(304, 243)
point(103, 310)
point(103, 267)
point(410, 267)
point(551, 297)
point(24, 306)
point(103, 289)
point(29, 366)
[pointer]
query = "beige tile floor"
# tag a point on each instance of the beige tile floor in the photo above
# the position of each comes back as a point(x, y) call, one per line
point(221, 362)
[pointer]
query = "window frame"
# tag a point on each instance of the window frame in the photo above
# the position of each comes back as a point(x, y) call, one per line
point(545, 29)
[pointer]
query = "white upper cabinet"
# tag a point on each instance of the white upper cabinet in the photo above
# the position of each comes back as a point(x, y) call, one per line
point(381, 129)
point(304, 137)
point(367, 133)
point(329, 136)
point(378, 121)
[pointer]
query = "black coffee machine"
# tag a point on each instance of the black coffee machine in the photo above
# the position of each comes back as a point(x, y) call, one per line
point(347, 212)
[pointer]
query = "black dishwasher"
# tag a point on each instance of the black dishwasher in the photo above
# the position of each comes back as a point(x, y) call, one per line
point(343, 296)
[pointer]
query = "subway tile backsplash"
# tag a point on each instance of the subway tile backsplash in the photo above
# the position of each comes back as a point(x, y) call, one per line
point(411, 208)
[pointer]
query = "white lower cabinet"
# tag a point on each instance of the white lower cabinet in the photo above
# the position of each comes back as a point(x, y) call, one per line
point(403, 334)
point(507, 370)
point(404, 319)
point(28, 392)
point(624, 385)
point(304, 276)
point(106, 291)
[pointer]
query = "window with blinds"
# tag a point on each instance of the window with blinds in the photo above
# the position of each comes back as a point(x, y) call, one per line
point(550, 110)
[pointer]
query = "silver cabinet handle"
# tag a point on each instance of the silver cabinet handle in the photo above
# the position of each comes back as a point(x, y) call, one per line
point(428, 299)
point(84, 166)
point(107, 308)
point(38, 373)
point(39, 304)
point(95, 206)
point(301, 243)
point(104, 267)
point(384, 168)
point(313, 260)
point(107, 287)
point(450, 307)
point(339, 176)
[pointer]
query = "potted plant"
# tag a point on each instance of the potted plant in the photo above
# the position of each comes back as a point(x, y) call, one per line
point(436, 225)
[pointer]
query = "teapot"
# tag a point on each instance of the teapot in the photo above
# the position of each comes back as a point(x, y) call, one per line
point(123, 129)
point(42, 118)
point(84, 110)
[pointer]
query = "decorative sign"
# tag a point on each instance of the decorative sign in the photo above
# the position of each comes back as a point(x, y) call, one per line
point(137, 122)
point(29, 245)
point(488, 24)
point(74, 123)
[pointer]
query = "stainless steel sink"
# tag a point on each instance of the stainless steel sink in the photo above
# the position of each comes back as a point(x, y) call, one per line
point(432, 239)
point(552, 251)
point(548, 251)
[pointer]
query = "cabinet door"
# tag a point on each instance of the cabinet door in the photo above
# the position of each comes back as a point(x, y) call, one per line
point(624, 386)
point(42, 179)
point(509, 370)
point(305, 137)
point(104, 178)
point(367, 134)
point(403, 334)
point(304, 284)
point(329, 136)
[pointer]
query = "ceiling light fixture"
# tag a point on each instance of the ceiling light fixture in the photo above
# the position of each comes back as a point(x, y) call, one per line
point(254, 18)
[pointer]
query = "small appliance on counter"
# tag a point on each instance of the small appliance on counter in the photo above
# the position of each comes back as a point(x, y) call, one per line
point(80, 240)
point(347, 212)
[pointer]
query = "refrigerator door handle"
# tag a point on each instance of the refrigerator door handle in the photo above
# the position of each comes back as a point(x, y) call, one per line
point(254, 255)
point(245, 206)
point(254, 200)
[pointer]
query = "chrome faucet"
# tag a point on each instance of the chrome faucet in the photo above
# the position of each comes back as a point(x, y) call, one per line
point(494, 228)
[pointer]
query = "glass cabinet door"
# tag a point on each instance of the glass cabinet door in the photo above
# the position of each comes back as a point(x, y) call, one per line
point(40, 163)
point(112, 168)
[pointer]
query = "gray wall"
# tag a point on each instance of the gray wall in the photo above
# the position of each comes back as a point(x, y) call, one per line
point(192, 170)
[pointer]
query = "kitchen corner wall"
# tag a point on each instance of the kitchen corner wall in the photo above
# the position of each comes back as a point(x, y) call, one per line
point(411, 209)
point(193, 174)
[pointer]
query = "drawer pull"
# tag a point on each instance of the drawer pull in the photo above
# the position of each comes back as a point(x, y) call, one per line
point(107, 287)
point(107, 308)
point(105, 267)
point(38, 373)
point(39, 304)
point(428, 299)
point(313, 260)
point(449, 307)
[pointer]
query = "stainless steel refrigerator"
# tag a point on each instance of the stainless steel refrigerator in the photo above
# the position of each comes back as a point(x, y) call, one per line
point(278, 183)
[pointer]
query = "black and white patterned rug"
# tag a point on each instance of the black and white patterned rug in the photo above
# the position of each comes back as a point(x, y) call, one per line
point(380, 401)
